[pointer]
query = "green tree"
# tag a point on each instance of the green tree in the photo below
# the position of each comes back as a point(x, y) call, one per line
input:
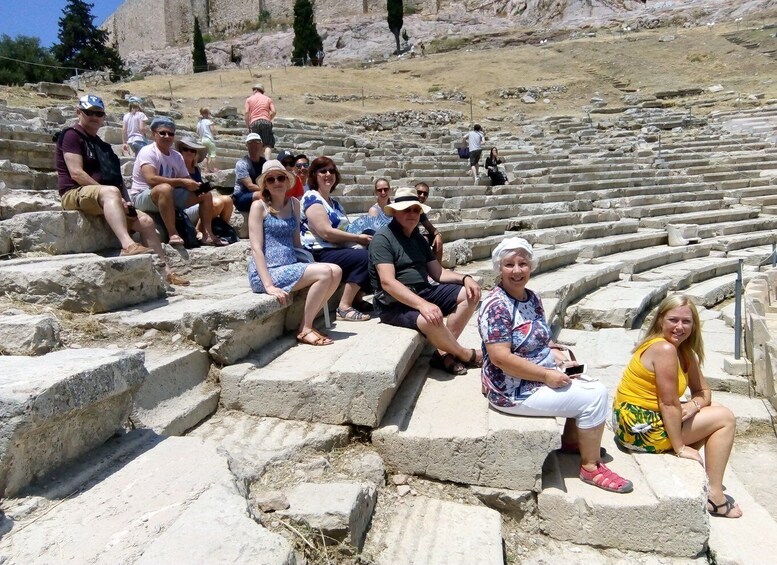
point(32, 63)
point(199, 59)
point(307, 42)
point(83, 45)
point(395, 10)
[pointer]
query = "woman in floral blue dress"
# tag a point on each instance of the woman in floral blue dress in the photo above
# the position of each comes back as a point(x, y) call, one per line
point(273, 229)
point(523, 370)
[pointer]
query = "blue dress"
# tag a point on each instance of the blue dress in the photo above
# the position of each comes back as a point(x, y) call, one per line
point(279, 254)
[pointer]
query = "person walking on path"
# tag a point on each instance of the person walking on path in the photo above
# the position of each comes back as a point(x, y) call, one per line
point(133, 128)
point(474, 141)
point(259, 114)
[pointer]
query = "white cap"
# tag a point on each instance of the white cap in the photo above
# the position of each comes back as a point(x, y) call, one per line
point(510, 245)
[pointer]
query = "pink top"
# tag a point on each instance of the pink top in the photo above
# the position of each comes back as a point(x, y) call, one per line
point(258, 107)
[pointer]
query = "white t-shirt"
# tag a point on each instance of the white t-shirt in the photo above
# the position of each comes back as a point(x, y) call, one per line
point(475, 140)
point(171, 166)
point(132, 121)
point(203, 128)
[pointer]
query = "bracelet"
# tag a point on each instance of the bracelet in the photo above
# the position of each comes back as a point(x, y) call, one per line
point(465, 278)
point(698, 408)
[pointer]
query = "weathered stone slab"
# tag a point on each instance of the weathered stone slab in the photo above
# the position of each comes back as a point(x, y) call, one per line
point(172, 501)
point(176, 395)
point(253, 442)
point(427, 531)
point(618, 305)
point(443, 427)
point(82, 283)
point(665, 513)
point(24, 201)
point(56, 89)
point(60, 405)
point(57, 233)
point(352, 381)
point(341, 511)
point(24, 334)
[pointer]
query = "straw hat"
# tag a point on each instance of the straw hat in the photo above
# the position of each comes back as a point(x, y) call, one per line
point(189, 142)
point(403, 199)
point(273, 165)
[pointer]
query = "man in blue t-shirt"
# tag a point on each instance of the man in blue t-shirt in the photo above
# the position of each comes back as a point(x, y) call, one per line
point(247, 170)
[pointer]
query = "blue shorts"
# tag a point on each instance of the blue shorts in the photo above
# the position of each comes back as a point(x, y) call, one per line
point(445, 296)
point(243, 200)
point(181, 197)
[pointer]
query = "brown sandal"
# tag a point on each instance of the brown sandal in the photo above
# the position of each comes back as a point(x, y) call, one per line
point(447, 363)
point(473, 362)
point(319, 338)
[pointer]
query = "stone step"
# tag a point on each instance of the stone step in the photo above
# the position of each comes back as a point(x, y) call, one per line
point(759, 201)
point(644, 259)
point(176, 395)
point(670, 208)
point(736, 242)
point(547, 260)
point(253, 444)
point(714, 291)
point(34, 154)
point(460, 438)
point(760, 223)
point(22, 201)
point(52, 233)
point(622, 304)
point(60, 405)
point(688, 272)
point(427, 531)
point(352, 381)
point(84, 282)
point(664, 514)
point(471, 229)
point(541, 221)
point(652, 199)
point(755, 416)
point(701, 218)
point(162, 490)
point(21, 177)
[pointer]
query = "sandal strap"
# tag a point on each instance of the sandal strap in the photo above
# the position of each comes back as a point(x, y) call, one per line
point(604, 478)
point(728, 504)
point(350, 314)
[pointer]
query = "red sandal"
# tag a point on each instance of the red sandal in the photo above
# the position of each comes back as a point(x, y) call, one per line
point(606, 479)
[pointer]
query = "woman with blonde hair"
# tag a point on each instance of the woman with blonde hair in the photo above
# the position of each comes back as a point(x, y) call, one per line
point(648, 415)
point(207, 132)
point(133, 129)
point(273, 229)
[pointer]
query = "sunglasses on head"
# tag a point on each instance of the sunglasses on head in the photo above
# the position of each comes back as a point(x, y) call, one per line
point(278, 178)
point(165, 133)
point(90, 113)
point(188, 150)
point(302, 165)
point(325, 171)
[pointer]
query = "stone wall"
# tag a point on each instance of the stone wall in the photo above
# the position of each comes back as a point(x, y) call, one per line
point(760, 338)
point(143, 25)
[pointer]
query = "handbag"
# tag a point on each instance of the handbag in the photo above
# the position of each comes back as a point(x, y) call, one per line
point(186, 229)
point(463, 152)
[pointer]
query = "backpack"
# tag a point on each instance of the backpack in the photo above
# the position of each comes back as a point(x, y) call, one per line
point(185, 228)
point(223, 230)
point(102, 152)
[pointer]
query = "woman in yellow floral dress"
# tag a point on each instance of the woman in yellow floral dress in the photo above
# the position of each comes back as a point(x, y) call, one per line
point(648, 415)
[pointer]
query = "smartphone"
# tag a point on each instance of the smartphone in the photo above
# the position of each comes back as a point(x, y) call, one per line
point(575, 370)
point(131, 211)
point(204, 187)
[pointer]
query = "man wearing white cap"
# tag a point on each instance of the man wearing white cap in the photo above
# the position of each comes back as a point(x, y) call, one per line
point(401, 263)
point(247, 170)
point(259, 114)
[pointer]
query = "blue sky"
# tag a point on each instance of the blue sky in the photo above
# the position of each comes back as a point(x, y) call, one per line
point(40, 18)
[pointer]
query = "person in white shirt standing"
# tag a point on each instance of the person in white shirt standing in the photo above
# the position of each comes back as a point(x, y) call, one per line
point(133, 129)
point(206, 130)
point(474, 140)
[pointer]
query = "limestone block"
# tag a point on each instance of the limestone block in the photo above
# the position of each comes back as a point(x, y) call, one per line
point(455, 253)
point(427, 531)
point(22, 201)
point(369, 467)
point(341, 511)
point(110, 134)
point(224, 178)
point(351, 381)
point(56, 90)
point(171, 500)
point(239, 221)
point(253, 443)
point(57, 233)
point(53, 115)
point(25, 334)
point(517, 504)
point(443, 428)
point(82, 283)
point(665, 513)
point(58, 406)
point(682, 234)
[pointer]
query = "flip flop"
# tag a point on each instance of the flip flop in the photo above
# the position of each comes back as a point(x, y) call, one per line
point(175, 240)
point(214, 242)
point(447, 363)
point(317, 341)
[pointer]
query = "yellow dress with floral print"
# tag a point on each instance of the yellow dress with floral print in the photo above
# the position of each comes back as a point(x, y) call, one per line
point(636, 416)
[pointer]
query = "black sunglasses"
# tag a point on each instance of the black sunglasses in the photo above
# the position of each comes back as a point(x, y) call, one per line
point(165, 133)
point(188, 150)
point(91, 113)
point(422, 193)
point(325, 171)
point(279, 178)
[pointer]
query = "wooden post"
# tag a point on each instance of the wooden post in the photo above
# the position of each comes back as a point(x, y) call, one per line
point(171, 90)
point(221, 81)
point(271, 88)
point(362, 97)
point(470, 111)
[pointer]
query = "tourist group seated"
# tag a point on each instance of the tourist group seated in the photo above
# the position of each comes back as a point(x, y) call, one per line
point(301, 238)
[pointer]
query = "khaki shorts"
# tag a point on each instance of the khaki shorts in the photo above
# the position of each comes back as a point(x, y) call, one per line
point(83, 198)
